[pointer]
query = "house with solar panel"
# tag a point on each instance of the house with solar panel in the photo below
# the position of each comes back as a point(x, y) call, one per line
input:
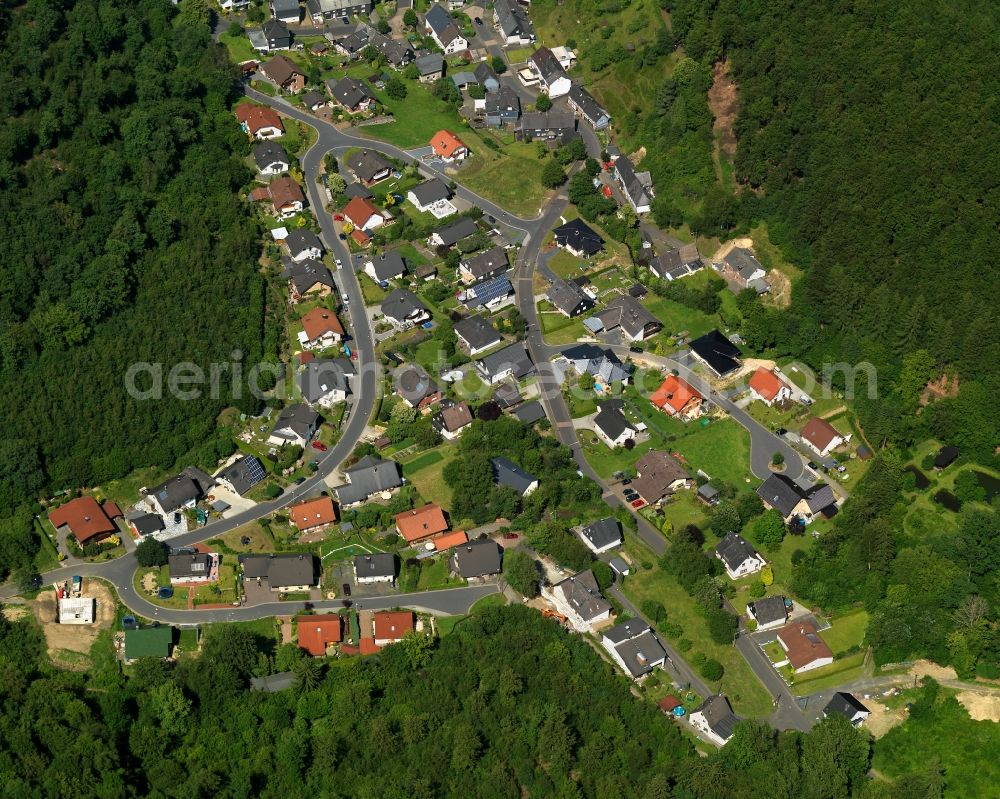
point(489, 295)
point(241, 475)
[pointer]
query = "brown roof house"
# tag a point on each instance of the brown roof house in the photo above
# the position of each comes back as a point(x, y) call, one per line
point(659, 474)
point(259, 121)
point(452, 419)
point(285, 195)
point(285, 74)
point(803, 646)
point(822, 436)
point(86, 519)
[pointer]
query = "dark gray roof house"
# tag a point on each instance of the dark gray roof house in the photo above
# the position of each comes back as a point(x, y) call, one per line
point(547, 125)
point(512, 361)
point(582, 593)
point(270, 157)
point(280, 571)
point(189, 566)
point(611, 421)
point(402, 307)
point(368, 166)
point(277, 35)
point(476, 333)
point(386, 266)
point(477, 559)
point(569, 298)
point(357, 190)
point(147, 523)
point(321, 376)
point(301, 241)
point(430, 64)
point(733, 550)
point(529, 413)
point(184, 489)
point(313, 99)
point(486, 264)
point(581, 101)
point(306, 274)
point(717, 352)
point(351, 93)
point(503, 107)
point(296, 423)
point(597, 361)
point(718, 715)
point(375, 565)
point(780, 493)
point(768, 611)
point(454, 232)
point(579, 238)
point(513, 22)
point(635, 646)
point(507, 394)
point(820, 497)
point(486, 76)
point(634, 318)
point(507, 473)
point(242, 474)
point(636, 186)
point(368, 476)
point(430, 191)
point(673, 265)
point(415, 386)
point(846, 705)
point(602, 535)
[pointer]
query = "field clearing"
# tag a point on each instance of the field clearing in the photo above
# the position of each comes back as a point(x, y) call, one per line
point(69, 645)
point(431, 484)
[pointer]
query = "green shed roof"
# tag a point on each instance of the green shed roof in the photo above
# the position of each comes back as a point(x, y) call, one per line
point(148, 642)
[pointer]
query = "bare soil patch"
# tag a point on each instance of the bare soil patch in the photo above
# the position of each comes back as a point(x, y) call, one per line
point(882, 718)
point(982, 707)
point(77, 639)
point(944, 387)
point(924, 668)
point(15, 612)
point(724, 101)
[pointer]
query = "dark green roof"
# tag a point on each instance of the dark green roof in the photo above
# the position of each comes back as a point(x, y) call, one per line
point(148, 642)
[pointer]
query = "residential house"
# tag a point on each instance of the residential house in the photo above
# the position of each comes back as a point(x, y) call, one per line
point(148, 642)
point(442, 28)
point(432, 196)
point(627, 314)
point(603, 364)
point(420, 523)
point(658, 474)
point(357, 189)
point(568, 298)
point(946, 457)
point(846, 705)
point(285, 74)
point(286, 11)
point(241, 475)
point(512, 361)
point(88, 520)
point(363, 214)
point(286, 197)
point(146, 524)
point(578, 238)
point(677, 397)
point(491, 263)
point(375, 567)
point(742, 267)
point(259, 121)
point(552, 78)
point(715, 719)
point(313, 514)
point(583, 103)
point(738, 556)
point(771, 611)
point(463, 79)
point(448, 540)
point(320, 329)
point(313, 100)
point(452, 420)
point(425, 272)
point(296, 424)
point(675, 264)
point(398, 53)
point(352, 45)
point(476, 334)
point(307, 277)
point(579, 599)
point(611, 426)
point(708, 494)
point(276, 35)
point(368, 476)
point(487, 77)
point(803, 647)
point(271, 159)
point(415, 386)
point(368, 167)
point(280, 573)
point(448, 147)
point(303, 244)
point(529, 413)
point(179, 492)
point(453, 233)
point(318, 633)
point(794, 503)
point(385, 267)
point(351, 94)
point(717, 352)
point(491, 294)
point(477, 560)
point(402, 308)
point(512, 23)
point(326, 381)
point(821, 436)
point(565, 57)
point(389, 626)
point(546, 126)
point(507, 473)
point(634, 646)
point(766, 386)
point(507, 395)
point(430, 67)
point(602, 536)
point(193, 567)
point(321, 10)
point(636, 186)
point(502, 107)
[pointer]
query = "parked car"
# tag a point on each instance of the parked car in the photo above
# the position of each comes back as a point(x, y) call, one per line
point(319, 445)
point(338, 262)
point(813, 465)
point(346, 589)
point(780, 431)
point(638, 503)
point(338, 217)
point(626, 481)
point(300, 481)
point(478, 21)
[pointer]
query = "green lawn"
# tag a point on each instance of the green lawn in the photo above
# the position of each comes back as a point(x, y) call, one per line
point(370, 290)
point(519, 55)
point(511, 182)
point(846, 631)
point(430, 482)
point(239, 47)
point(679, 318)
point(606, 461)
point(721, 450)
point(559, 329)
point(747, 694)
point(842, 670)
point(684, 509)
point(566, 265)
point(431, 574)
point(422, 461)
point(260, 539)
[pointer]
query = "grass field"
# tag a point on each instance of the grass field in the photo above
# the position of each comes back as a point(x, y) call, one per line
point(842, 670)
point(429, 481)
point(721, 450)
point(370, 290)
point(846, 631)
point(429, 575)
point(511, 182)
point(422, 461)
point(566, 265)
point(606, 461)
point(239, 47)
point(260, 539)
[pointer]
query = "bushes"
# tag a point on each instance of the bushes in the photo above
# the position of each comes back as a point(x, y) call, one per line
point(653, 610)
point(521, 572)
point(712, 670)
point(151, 552)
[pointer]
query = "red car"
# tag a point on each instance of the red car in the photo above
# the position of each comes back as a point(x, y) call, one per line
point(338, 217)
point(319, 445)
point(638, 503)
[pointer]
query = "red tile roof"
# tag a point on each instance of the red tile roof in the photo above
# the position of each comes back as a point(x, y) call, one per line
point(85, 519)
point(421, 522)
point(320, 321)
point(766, 383)
point(819, 432)
point(359, 210)
point(313, 513)
point(445, 143)
point(449, 540)
point(802, 644)
point(368, 647)
point(675, 394)
point(668, 703)
point(256, 117)
point(315, 632)
point(359, 236)
point(285, 191)
point(392, 625)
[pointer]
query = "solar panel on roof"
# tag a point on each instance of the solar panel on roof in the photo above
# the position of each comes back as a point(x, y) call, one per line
point(255, 472)
point(489, 290)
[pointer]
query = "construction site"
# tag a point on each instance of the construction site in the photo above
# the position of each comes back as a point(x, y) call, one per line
point(71, 617)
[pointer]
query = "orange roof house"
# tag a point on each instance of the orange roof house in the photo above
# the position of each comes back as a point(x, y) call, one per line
point(803, 646)
point(322, 321)
point(767, 385)
point(313, 513)
point(821, 435)
point(362, 213)
point(421, 523)
point(449, 540)
point(258, 119)
point(286, 194)
point(448, 146)
point(678, 398)
point(86, 519)
point(316, 633)
point(392, 625)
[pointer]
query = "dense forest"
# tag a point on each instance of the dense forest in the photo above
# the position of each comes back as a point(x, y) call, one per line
point(867, 139)
point(507, 705)
point(124, 241)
